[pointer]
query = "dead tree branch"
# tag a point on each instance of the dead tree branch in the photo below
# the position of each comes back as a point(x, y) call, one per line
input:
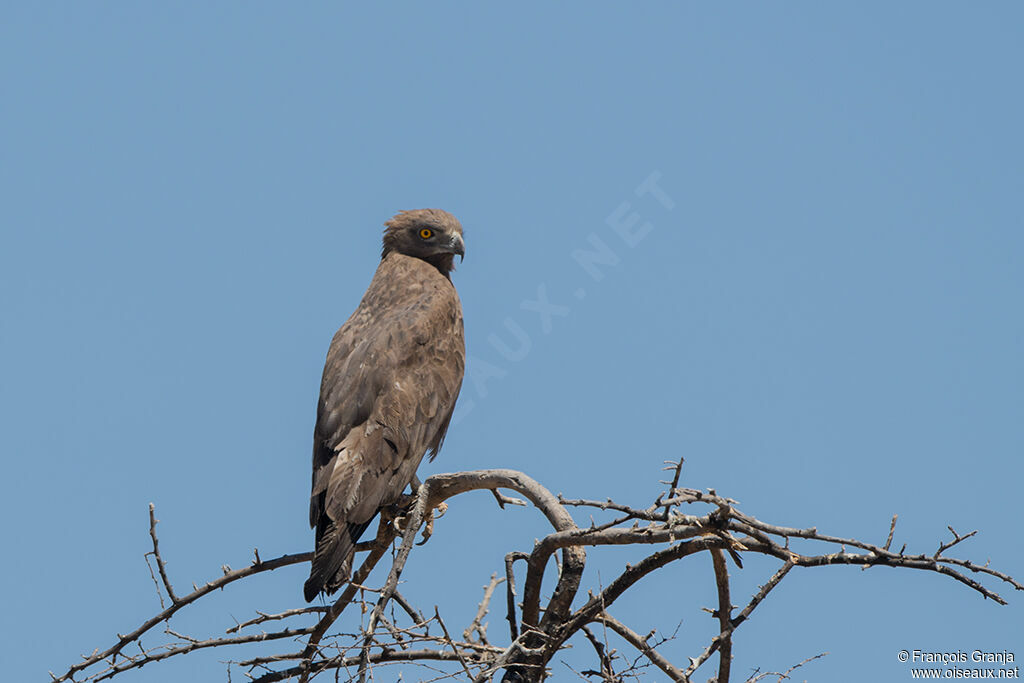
point(678, 523)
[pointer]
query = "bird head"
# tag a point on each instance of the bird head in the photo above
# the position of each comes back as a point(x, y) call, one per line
point(429, 234)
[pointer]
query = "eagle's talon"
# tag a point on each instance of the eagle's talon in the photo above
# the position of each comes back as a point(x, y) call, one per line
point(428, 529)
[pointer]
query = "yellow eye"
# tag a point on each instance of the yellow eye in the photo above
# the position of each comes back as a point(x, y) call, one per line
point(426, 233)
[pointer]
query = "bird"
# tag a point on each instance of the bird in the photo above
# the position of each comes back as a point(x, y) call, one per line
point(390, 382)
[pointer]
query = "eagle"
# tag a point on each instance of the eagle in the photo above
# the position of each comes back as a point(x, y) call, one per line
point(390, 383)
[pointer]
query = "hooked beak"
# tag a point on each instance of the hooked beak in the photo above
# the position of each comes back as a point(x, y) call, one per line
point(457, 246)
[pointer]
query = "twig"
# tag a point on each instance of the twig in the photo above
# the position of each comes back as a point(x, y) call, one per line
point(603, 656)
point(156, 584)
point(892, 530)
point(374, 658)
point(640, 643)
point(159, 559)
point(263, 618)
point(504, 500)
point(148, 657)
point(677, 469)
point(956, 539)
point(385, 534)
point(413, 523)
point(510, 592)
point(624, 581)
point(395, 632)
point(481, 611)
point(762, 593)
point(448, 640)
point(786, 673)
point(164, 615)
point(414, 614)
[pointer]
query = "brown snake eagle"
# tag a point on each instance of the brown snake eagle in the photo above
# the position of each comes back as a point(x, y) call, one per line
point(389, 386)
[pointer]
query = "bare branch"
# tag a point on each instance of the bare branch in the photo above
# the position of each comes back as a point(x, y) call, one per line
point(546, 624)
point(414, 614)
point(624, 581)
point(164, 615)
point(413, 523)
point(444, 486)
point(448, 641)
point(724, 614)
point(374, 658)
point(159, 559)
point(727, 630)
point(892, 530)
point(640, 643)
point(385, 534)
point(504, 500)
point(762, 593)
point(510, 592)
point(263, 618)
point(603, 655)
point(784, 675)
point(956, 539)
point(677, 469)
point(481, 611)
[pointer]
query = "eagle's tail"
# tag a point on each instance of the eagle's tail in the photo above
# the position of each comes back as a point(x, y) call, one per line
point(332, 561)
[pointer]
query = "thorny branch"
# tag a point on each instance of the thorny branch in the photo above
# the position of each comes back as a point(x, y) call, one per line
point(539, 628)
point(161, 567)
point(477, 625)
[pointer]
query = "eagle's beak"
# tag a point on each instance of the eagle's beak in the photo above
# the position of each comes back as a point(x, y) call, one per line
point(456, 246)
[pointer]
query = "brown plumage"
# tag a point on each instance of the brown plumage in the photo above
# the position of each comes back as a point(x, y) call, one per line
point(392, 375)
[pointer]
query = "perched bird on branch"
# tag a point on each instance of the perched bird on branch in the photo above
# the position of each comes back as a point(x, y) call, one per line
point(389, 386)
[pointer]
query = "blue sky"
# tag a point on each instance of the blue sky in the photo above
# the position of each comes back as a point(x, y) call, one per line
point(824, 316)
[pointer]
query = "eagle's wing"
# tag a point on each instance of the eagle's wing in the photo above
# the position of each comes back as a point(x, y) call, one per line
point(390, 382)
